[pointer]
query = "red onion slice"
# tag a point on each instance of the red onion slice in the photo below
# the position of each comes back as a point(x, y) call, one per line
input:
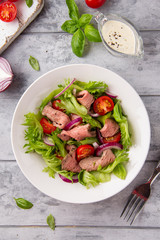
point(106, 146)
point(100, 138)
point(94, 114)
point(74, 178)
point(6, 74)
point(72, 123)
point(111, 94)
point(47, 141)
point(59, 94)
point(95, 145)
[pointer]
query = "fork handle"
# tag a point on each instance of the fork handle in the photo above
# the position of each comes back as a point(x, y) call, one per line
point(155, 174)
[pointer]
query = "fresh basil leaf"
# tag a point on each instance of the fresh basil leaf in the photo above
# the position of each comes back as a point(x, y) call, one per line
point(73, 9)
point(22, 203)
point(34, 63)
point(92, 34)
point(51, 222)
point(84, 20)
point(29, 3)
point(78, 42)
point(70, 26)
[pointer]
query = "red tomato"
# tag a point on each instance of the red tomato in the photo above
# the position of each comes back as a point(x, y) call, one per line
point(114, 139)
point(13, 0)
point(54, 105)
point(8, 11)
point(102, 105)
point(47, 127)
point(95, 3)
point(84, 151)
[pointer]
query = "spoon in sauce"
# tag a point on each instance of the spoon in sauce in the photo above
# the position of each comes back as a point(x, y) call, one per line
point(119, 36)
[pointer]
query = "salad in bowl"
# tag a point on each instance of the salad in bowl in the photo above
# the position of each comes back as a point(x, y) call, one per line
point(81, 132)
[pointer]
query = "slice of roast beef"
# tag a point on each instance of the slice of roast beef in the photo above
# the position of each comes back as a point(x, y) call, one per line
point(69, 163)
point(110, 128)
point(85, 98)
point(59, 119)
point(78, 133)
point(92, 163)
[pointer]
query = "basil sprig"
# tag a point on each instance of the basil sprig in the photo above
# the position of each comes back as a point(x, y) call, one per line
point(51, 222)
point(22, 203)
point(29, 3)
point(34, 63)
point(80, 27)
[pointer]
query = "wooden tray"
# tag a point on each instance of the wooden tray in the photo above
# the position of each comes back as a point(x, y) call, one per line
point(25, 15)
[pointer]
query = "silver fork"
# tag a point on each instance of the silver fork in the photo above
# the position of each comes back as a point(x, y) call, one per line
point(138, 197)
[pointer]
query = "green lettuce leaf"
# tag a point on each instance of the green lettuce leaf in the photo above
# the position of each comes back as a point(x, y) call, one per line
point(121, 156)
point(102, 119)
point(88, 140)
point(101, 177)
point(34, 131)
point(87, 179)
point(120, 171)
point(123, 123)
point(59, 143)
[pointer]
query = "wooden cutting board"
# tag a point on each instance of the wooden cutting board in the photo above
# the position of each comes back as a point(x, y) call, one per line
point(25, 15)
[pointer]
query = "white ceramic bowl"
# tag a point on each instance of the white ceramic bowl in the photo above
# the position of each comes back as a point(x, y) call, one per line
point(32, 164)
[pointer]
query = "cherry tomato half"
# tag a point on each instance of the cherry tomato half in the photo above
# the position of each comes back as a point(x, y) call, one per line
point(84, 151)
point(47, 127)
point(102, 105)
point(8, 11)
point(55, 106)
point(114, 139)
point(95, 3)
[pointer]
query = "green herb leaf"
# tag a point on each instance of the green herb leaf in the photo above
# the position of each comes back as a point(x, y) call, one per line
point(84, 20)
point(73, 9)
point(34, 63)
point(78, 42)
point(51, 222)
point(22, 203)
point(29, 3)
point(92, 34)
point(70, 26)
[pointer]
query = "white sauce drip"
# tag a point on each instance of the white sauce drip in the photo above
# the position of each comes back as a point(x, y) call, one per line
point(119, 36)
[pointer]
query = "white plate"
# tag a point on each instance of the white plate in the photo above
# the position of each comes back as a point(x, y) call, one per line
point(32, 164)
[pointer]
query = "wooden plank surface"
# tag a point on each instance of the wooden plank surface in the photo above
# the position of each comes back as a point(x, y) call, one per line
point(104, 213)
point(87, 233)
point(144, 14)
point(54, 50)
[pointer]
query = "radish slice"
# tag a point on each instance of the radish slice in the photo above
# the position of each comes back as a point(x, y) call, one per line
point(111, 94)
point(106, 146)
point(47, 141)
point(6, 74)
point(72, 123)
point(74, 178)
point(59, 94)
point(100, 138)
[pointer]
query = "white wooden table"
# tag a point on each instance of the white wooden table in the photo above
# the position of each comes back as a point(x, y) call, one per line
point(44, 40)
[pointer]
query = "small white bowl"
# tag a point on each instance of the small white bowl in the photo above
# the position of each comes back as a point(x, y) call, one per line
point(32, 164)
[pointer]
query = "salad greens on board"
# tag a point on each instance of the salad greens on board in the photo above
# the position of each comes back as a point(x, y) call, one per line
point(44, 139)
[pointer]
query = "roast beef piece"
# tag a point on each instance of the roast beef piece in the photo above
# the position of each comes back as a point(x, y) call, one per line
point(78, 133)
point(58, 118)
point(92, 163)
point(110, 128)
point(85, 98)
point(69, 163)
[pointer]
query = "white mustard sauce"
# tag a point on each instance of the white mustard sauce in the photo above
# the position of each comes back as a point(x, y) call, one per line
point(119, 36)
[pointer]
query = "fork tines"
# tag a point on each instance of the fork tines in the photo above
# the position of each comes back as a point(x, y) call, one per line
point(132, 208)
